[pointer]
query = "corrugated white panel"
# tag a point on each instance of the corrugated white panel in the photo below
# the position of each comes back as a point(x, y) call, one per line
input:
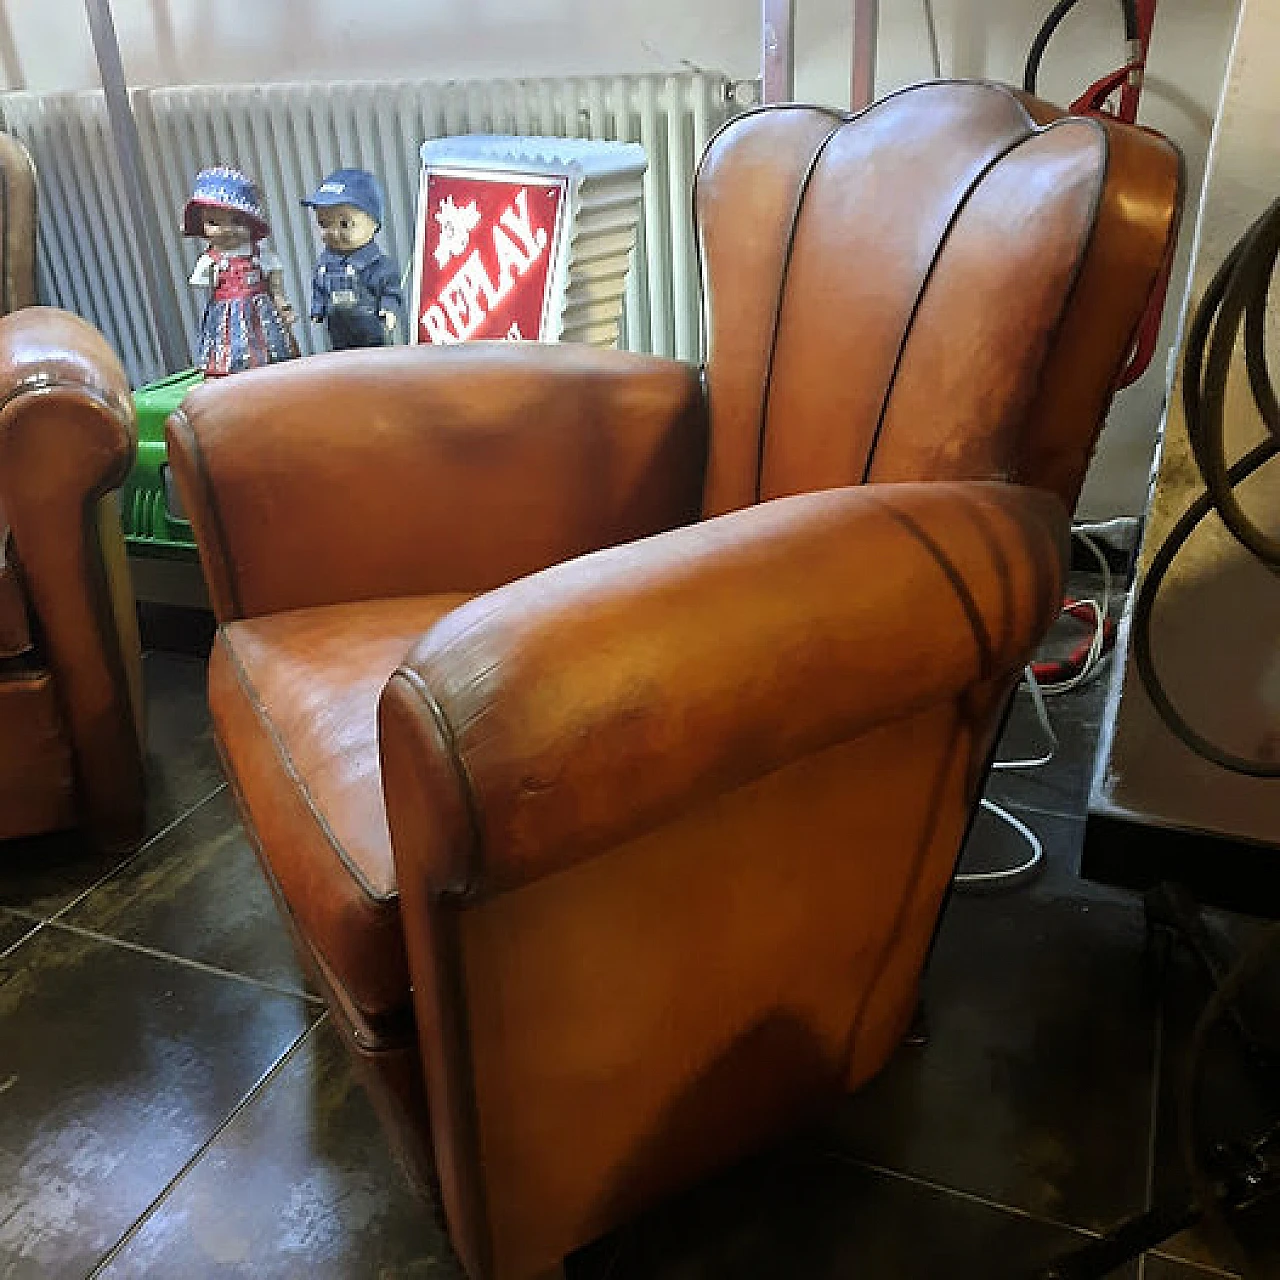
point(86, 256)
point(290, 136)
point(600, 254)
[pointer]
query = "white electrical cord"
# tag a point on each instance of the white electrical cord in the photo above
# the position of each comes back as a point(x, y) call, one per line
point(1100, 608)
point(1042, 714)
point(1006, 877)
point(1124, 528)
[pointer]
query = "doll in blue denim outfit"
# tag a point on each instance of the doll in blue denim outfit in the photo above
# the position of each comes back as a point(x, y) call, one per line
point(355, 290)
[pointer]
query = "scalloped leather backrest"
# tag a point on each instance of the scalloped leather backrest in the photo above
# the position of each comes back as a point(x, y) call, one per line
point(945, 286)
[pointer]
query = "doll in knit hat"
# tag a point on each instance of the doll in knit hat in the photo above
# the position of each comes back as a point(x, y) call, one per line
point(247, 318)
point(355, 291)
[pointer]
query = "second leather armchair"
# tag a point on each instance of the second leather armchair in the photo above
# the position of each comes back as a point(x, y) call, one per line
point(609, 734)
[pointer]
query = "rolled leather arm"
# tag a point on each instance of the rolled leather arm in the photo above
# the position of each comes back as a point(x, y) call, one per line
point(410, 470)
point(43, 350)
point(572, 710)
point(67, 435)
point(67, 441)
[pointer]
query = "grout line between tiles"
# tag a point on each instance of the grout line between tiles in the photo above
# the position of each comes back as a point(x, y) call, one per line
point(137, 853)
point(958, 1193)
point(249, 1098)
point(36, 926)
point(1195, 1268)
point(1205, 1268)
point(1043, 810)
point(186, 962)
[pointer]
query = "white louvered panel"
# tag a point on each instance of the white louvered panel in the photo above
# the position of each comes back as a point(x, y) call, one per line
point(290, 136)
point(86, 259)
point(603, 241)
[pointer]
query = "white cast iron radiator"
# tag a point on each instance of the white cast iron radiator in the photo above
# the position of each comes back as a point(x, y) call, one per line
point(289, 136)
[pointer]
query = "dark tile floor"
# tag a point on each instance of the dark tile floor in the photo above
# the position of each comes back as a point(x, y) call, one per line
point(174, 1102)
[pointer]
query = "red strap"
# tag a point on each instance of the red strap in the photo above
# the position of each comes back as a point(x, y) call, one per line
point(1128, 79)
point(1093, 102)
point(1149, 326)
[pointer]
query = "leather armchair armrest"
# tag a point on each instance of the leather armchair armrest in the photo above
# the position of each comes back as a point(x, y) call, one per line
point(408, 470)
point(67, 441)
point(544, 721)
point(67, 437)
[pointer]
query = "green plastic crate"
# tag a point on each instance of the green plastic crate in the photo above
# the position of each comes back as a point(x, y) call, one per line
point(154, 522)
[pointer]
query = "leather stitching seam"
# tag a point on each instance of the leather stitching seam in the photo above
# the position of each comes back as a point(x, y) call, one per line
point(926, 279)
point(927, 837)
point(291, 772)
point(466, 786)
point(1082, 256)
point(215, 513)
point(802, 192)
point(973, 614)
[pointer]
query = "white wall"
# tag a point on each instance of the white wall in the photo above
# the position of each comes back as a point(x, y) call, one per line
point(44, 44)
point(198, 41)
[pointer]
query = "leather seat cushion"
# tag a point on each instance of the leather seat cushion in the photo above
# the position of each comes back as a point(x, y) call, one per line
point(294, 698)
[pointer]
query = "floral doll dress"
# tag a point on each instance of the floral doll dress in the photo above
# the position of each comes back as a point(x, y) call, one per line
point(242, 326)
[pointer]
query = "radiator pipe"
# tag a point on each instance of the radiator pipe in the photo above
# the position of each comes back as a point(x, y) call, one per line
point(165, 314)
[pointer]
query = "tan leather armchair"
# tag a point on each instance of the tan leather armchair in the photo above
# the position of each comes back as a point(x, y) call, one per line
point(70, 665)
point(610, 734)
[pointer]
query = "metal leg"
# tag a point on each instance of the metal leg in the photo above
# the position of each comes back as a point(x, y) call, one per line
point(866, 30)
point(170, 330)
point(777, 54)
point(1169, 907)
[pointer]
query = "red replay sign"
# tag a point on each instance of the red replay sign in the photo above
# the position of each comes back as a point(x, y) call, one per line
point(486, 254)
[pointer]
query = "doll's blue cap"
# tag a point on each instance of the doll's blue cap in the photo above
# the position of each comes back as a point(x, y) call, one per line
point(355, 187)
